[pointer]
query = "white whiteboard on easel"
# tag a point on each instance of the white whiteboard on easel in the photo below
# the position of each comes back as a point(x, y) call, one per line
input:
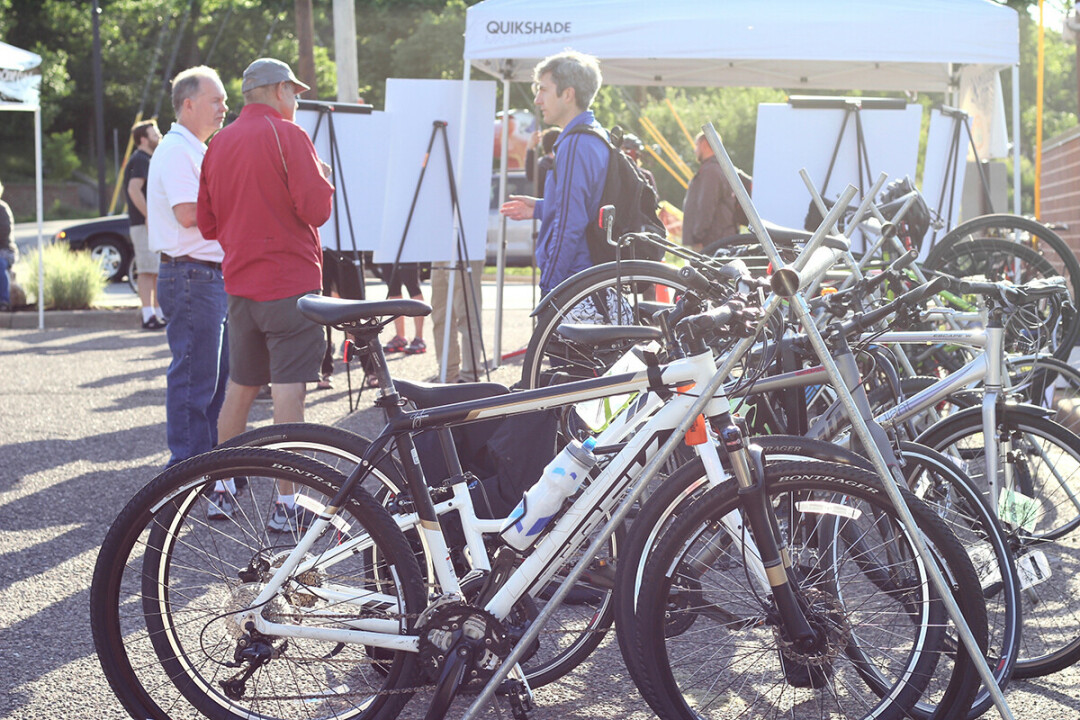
point(359, 165)
point(789, 139)
point(413, 107)
point(937, 170)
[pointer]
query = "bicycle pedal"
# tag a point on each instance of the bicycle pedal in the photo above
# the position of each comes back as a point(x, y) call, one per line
point(520, 698)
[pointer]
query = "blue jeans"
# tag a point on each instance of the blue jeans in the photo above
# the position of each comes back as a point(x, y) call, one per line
point(5, 286)
point(193, 298)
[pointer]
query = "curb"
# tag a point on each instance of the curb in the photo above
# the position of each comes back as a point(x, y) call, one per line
point(100, 319)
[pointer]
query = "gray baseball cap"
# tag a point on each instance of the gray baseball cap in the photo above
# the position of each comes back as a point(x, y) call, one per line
point(268, 71)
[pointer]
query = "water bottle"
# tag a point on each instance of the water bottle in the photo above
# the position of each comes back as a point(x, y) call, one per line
point(540, 503)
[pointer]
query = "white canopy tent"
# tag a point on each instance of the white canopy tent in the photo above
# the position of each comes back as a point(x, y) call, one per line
point(20, 90)
point(886, 45)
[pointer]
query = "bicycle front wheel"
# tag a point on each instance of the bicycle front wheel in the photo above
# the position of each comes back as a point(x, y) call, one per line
point(714, 643)
point(1039, 505)
point(181, 564)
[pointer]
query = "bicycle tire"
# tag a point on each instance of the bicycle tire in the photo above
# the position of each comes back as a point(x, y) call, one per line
point(1045, 456)
point(168, 580)
point(980, 526)
point(886, 697)
point(575, 630)
point(547, 350)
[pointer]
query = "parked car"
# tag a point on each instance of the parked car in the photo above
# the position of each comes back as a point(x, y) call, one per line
point(519, 242)
point(109, 241)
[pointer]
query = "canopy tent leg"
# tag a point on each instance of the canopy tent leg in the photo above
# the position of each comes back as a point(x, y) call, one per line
point(500, 252)
point(1016, 137)
point(449, 310)
point(39, 202)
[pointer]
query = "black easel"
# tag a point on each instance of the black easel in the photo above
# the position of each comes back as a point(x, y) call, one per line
point(326, 111)
point(961, 121)
point(462, 264)
point(851, 107)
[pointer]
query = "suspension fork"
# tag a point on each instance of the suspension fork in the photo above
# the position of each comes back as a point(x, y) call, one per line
point(747, 464)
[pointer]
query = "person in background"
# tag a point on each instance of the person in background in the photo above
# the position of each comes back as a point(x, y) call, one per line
point(146, 137)
point(407, 274)
point(632, 146)
point(547, 160)
point(190, 287)
point(709, 208)
point(263, 194)
point(9, 252)
point(565, 86)
point(464, 359)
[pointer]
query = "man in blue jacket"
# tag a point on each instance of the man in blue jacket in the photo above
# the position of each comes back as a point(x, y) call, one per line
point(565, 86)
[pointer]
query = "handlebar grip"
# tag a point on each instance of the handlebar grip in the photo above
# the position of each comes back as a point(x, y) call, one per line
point(694, 279)
point(912, 297)
point(921, 293)
point(890, 272)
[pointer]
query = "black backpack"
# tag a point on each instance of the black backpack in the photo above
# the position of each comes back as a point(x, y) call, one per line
point(635, 203)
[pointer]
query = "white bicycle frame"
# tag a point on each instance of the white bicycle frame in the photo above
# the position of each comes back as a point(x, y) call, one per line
point(572, 529)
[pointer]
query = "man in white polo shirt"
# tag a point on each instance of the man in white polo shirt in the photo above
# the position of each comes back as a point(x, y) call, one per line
point(190, 285)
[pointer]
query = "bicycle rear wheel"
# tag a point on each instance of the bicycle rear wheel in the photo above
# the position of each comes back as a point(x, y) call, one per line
point(594, 296)
point(173, 575)
point(711, 639)
point(574, 631)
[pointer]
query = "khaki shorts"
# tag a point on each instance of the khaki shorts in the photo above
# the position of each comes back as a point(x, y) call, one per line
point(146, 260)
point(271, 342)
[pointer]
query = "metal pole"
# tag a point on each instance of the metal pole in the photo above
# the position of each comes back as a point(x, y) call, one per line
point(500, 252)
point(888, 480)
point(1016, 137)
point(39, 206)
point(99, 110)
point(348, 74)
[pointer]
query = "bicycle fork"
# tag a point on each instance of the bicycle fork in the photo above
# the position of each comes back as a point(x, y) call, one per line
point(747, 464)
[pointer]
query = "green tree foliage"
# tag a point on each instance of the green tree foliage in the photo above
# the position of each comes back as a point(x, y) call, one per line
point(58, 155)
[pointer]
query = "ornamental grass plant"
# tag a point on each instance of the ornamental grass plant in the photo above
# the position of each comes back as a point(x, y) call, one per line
point(73, 280)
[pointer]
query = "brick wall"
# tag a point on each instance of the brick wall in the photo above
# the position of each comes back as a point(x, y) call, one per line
point(1061, 185)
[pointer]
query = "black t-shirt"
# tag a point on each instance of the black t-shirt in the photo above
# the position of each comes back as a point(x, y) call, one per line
point(138, 167)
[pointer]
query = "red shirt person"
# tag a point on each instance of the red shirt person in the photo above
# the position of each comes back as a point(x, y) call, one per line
point(263, 194)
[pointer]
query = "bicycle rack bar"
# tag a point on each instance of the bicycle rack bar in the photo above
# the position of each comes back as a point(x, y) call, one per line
point(889, 482)
point(857, 266)
point(864, 206)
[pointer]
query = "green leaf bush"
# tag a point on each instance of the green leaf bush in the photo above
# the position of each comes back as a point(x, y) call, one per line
point(73, 280)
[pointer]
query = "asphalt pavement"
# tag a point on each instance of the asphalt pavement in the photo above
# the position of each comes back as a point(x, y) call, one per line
point(82, 428)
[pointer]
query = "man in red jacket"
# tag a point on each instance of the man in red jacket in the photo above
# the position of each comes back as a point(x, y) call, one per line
point(262, 194)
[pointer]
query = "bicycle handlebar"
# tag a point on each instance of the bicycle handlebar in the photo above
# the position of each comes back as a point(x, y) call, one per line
point(911, 298)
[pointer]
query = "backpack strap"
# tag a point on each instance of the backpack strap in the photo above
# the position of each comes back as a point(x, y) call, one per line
point(582, 130)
